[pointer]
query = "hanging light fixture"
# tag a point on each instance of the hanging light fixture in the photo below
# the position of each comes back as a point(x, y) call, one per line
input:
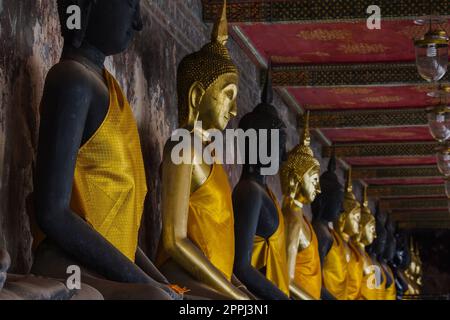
point(447, 191)
point(439, 122)
point(432, 53)
point(447, 187)
point(443, 160)
point(439, 116)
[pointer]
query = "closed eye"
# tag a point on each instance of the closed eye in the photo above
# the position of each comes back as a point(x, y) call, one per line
point(231, 91)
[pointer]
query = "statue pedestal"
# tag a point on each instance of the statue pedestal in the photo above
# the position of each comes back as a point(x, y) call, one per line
point(29, 287)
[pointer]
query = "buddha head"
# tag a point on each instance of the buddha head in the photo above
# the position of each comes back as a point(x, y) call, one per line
point(402, 257)
point(207, 82)
point(328, 204)
point(108, 25)
point(300, 173)
point(367, 232)
point(348, 222)
point(265, 117)
point(389, 251)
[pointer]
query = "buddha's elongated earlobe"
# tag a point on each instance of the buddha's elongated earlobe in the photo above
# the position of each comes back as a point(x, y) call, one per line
point(196, 93)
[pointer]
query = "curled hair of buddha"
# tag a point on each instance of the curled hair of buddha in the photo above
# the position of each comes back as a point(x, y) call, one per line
point(366, 214)
point(329, 202)
point(75, 37)
point(300, 159)
point(350, 202)
point(204, 66)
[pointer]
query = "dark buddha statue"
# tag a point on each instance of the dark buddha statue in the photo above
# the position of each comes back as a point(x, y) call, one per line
point(259, 225)
point(400, 263)
point(326, 209)
point(387, 259)
point(90, 181)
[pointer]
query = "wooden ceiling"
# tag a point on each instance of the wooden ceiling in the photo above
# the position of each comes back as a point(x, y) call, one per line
point(362, 87)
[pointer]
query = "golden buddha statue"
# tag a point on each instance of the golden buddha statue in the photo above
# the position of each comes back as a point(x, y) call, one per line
point(197, 214)
point(364, 238)
point(419, 270)
point(300, 184)
point(348, 227)
point(413, 273)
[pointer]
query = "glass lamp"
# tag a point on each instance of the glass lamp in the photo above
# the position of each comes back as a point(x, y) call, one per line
point(443, 160)
point(439, 122)
point(447, 187)
point(432, 55)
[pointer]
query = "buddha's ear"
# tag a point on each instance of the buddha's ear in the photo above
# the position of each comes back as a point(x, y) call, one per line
point(293, 187)
point(195, 96)
point(86, 8)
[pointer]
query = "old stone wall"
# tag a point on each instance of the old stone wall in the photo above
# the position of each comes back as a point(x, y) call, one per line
point(30, 44)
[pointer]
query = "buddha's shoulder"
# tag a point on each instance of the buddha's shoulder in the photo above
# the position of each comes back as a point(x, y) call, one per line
point(69, 74)
point(249, 189)
point(181, 140)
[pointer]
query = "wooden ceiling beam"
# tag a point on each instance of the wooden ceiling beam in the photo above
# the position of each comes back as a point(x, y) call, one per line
point(347, 74)
point(408, 225)
point(395, 172)
point(381, 149)
point(314, 10)
point(408, 191)
point(367, 119)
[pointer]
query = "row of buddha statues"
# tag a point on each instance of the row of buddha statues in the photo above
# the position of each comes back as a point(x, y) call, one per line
point(216, 242)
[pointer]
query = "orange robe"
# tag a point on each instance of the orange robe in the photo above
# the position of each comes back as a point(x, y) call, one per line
point(271, 253)
point(308, 275)
point(109, 184)
point(211, 220)
point(368, 284)
point(355, 273)
point(335, 271)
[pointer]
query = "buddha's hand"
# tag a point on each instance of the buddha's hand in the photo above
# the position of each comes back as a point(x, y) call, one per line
point(239, 295)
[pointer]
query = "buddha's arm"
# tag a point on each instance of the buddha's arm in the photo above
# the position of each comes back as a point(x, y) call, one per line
point(294, 225)
point(148, 267)
point(325, 244)
point(176, 182)
point(247, 207)
point(66, 103)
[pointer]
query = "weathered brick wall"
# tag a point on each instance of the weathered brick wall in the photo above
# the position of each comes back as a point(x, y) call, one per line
point(30, 44)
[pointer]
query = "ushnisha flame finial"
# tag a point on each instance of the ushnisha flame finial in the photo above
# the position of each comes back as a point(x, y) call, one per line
point(350, 202)
point(348, 184)
point(365, 199)
point(366, 213)
point(332, 162)
point(220, 29)
point(305, 138)
point(267, 93)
